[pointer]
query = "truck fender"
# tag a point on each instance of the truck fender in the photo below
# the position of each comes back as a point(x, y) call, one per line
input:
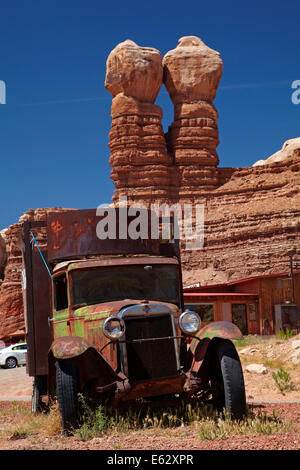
point(68, 347)
point(201, 345)
point(204, 354)
point(220, 329)
point(217, 329)
point(90, 362)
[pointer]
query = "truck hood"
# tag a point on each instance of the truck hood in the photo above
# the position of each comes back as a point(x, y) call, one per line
point(112, 308)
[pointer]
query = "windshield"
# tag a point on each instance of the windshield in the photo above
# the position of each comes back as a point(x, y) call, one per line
point(135, 282)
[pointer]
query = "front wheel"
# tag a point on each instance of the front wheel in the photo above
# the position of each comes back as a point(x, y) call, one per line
point(227, 380)
point(66, 391)
point(11, 363)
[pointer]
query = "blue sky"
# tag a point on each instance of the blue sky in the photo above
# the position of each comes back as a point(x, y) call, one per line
point(54, 127)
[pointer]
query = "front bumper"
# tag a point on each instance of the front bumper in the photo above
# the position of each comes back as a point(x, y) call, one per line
point(124, 391)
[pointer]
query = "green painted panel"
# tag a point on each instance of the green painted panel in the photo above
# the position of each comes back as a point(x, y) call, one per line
point(61, 329)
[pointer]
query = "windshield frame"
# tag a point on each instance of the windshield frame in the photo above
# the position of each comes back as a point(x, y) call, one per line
point(175, 266)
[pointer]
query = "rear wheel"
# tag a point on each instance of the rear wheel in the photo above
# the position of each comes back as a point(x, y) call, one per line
point(227, 381)
point(66, 391)
point(39, 388)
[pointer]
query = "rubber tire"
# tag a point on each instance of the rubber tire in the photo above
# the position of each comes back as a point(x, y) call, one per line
point(229, 371)
point(11, 367)
point(39, 388)
point(66, 392)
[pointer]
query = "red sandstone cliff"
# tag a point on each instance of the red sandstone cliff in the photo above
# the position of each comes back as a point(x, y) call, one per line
point(252, 222)
point(11, 300)
point(252, 215)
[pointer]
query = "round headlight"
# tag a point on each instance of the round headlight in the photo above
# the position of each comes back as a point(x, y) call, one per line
point(189, 322)
point(114, 328)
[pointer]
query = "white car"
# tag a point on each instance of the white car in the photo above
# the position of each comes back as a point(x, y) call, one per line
point(13, 355)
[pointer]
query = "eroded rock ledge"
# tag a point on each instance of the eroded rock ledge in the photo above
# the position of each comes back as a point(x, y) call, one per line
point(252, 215)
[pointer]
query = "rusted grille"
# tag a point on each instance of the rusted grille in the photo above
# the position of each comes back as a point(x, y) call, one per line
point(150, 359)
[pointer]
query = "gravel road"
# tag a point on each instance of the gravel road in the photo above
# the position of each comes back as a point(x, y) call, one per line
point(15, 384)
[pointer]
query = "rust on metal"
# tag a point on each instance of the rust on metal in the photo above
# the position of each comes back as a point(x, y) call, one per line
point(36, 287)
point(74, 233)
point(154, 387)
point(199, 353)
point(109, 261)
point(220, 329)
point(69, 346)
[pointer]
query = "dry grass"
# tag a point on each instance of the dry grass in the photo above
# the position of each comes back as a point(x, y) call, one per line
point(98, 423)
point(22, 423)
point(208, 423)
point(223, 428)
point(249, 340)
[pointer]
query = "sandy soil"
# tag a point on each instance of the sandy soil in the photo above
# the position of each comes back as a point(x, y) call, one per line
point(184, 438)
point(273, 354)
point(262, 396)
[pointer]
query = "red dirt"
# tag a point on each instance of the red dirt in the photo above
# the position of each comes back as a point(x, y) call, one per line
point(183, 438)
point(16, 385)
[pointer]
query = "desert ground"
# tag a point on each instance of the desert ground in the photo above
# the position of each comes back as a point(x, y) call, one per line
point(264, 396)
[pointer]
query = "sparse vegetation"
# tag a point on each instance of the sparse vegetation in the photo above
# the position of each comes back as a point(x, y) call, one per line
point(273, 352)
point(29, 425)
point(219, 428)
point(96, 422)
point(283, 381)
point(209, 423)
point(249, 340)
point(274, 363)
point(284, 334)
point(202, 421)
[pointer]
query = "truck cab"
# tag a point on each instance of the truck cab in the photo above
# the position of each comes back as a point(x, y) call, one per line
point(95, 300)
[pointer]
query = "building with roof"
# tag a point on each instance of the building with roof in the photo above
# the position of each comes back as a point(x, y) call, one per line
point(257, 305)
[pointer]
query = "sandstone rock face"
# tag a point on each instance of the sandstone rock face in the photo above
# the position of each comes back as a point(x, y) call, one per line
point(3, 256)
point(291, 148)
point(11, 299)
point(192, 72)
point(138, 149)
point(182, 163)
point(251, 214)
point(134, 71)
point(251, 223)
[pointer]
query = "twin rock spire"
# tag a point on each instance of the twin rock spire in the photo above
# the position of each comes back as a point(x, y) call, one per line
point(147, 164)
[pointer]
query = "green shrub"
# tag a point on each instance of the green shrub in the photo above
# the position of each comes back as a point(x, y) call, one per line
point(283, 381)
point(284, 334)
point(94, 422)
